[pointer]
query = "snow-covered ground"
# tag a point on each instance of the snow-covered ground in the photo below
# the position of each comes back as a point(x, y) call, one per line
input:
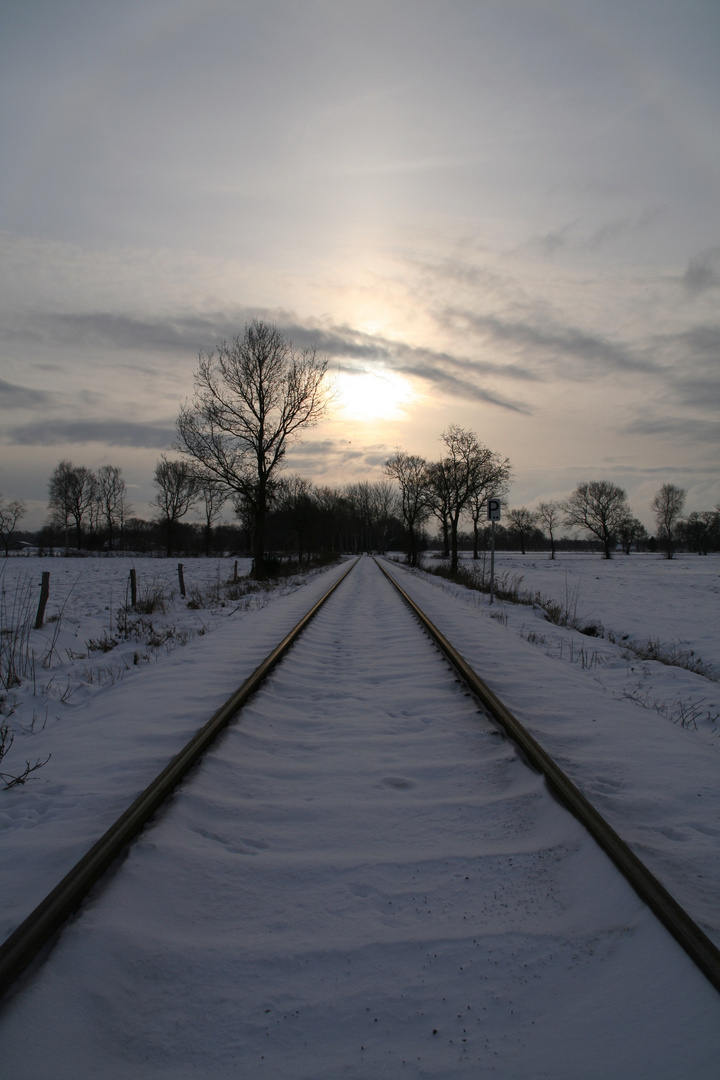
point(149, 994)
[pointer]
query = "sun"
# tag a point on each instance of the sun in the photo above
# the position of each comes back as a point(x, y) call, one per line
point(371, 395)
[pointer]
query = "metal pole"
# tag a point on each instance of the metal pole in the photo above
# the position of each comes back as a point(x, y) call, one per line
point(492, 562)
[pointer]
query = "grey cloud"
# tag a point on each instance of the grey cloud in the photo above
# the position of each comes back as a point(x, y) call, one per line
point(110, 432)
point(703, 271)
point(549, 243)
point(689, 429)
point(569, 237)
point(13, 396)
point(104, 329)
point(589, 351)
point(329, 456)
point(702, 341)
point(456, 375)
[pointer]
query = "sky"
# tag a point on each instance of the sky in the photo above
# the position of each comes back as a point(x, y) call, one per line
point(502, 215)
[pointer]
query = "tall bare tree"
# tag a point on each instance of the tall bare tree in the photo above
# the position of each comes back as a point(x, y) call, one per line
point(493, 476)
point(10, 513)
point(667, 506)
point(297, 500)
point(212, 496)
point(71, 491)
point(549, 516)
point(411, 473)
point(110, 494)
point(467, 468)
point(252, 397)
point(176, 488)
point(521, 521)
point(599, 508)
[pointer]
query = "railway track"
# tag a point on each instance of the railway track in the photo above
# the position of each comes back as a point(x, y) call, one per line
point(385, 753)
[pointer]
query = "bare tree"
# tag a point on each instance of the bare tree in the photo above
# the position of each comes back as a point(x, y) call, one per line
point(212, 496)
point(10, 513)
point(631, 531)
point(297, 501)
point(371, 505)
point(439, 502)
point(251, 399)
point(521, 521)
point(667, 506)
point(411, 473)
point(549, 516)
point(467, 468)
point(71, 491)
point(110, 495)
point(176, 486)
point(600, 508)
point(492, 481)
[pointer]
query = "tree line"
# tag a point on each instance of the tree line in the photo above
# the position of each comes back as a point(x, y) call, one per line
point(252, 398)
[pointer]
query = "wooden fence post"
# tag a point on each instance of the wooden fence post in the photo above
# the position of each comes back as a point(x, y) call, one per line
point(133, 587)
point(181, 579)
point(44, 594)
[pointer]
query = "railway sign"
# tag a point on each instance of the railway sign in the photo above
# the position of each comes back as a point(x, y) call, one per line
point(494, 510)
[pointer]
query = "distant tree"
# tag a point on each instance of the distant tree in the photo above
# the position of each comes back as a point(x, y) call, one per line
point(600, 508)
point(460, 473)
point(667, 506)
point(370, 507)
point(411, 474)
point(297, 502)
point(71, 491)
point(439, 502)
point(521, 521)
point(631, 531)
point(176, 488)
point(332, 514)
point(252, 397)
point(10, 513)
point(384, 508)
point(549, 515)
point(492, 481)
point(212, 497)
point(701, 531)
point(110, 494)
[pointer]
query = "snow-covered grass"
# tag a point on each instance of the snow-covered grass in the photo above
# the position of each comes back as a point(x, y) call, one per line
point(92, 637)
point(647, 628)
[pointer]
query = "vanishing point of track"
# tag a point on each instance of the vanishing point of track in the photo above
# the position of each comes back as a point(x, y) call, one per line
point(47, 919)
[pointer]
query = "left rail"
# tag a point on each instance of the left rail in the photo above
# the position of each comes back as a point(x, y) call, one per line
point(18, 951)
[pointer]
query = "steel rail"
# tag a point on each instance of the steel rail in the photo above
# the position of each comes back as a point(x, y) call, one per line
point(20, 948)
point(683, 928)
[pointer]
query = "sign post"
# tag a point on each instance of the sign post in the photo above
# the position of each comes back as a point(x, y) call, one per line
point(493, 512)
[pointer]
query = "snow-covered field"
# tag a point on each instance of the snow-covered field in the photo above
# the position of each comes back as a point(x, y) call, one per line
point(638, 736)
point(636, 607)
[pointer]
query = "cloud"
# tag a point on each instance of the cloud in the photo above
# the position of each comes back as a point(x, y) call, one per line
point(334, 458)
point(703, 272)
point(592, 354)
point(76, 432)
point(570, 237)
point(453, 374)
point(14, 397)
point(458, 376)
point(685, 428)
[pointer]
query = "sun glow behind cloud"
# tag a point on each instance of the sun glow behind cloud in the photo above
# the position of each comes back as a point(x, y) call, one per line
point(371, 396)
